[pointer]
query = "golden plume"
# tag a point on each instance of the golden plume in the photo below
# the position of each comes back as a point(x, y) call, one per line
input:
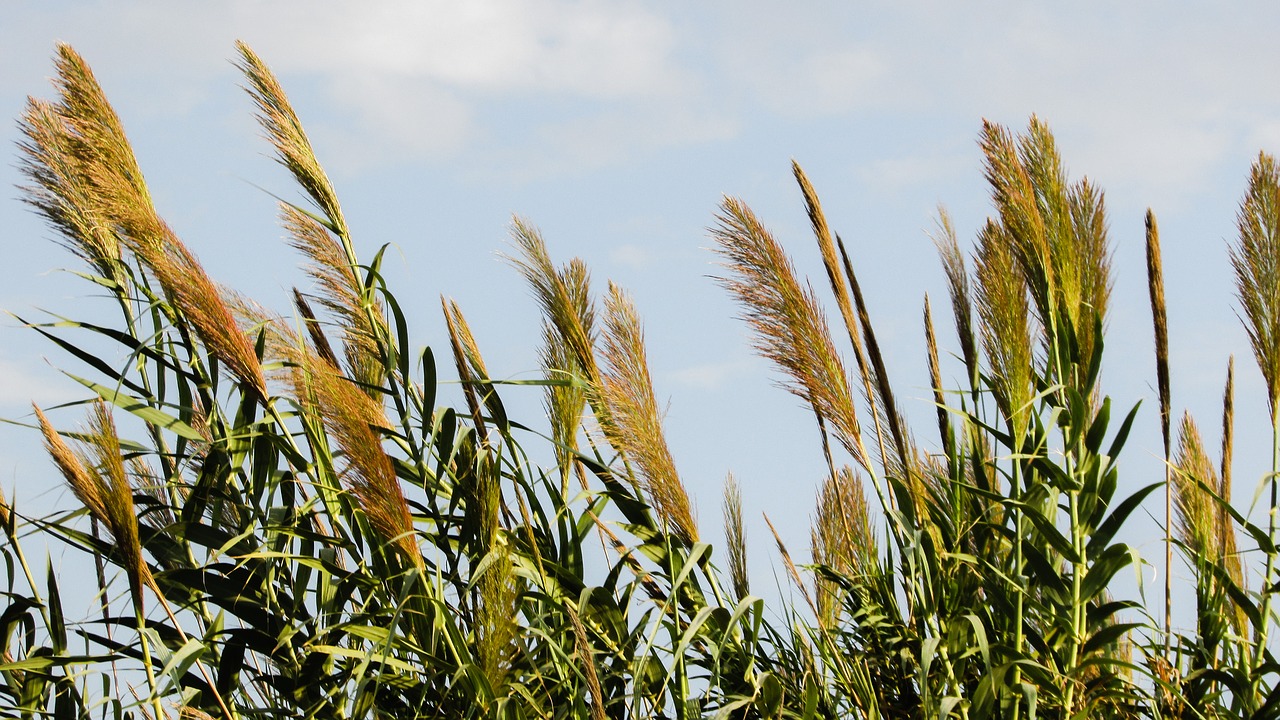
point(635, 427)
point(96, 476)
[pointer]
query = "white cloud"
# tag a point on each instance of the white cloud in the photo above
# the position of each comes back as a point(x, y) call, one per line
point(403, 80)
point(1150, 94)
point(590, 49)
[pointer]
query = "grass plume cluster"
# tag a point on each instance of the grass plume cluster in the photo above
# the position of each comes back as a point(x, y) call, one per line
point(336, 538)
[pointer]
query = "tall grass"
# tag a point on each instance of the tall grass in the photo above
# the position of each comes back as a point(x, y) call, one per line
point(287, 519)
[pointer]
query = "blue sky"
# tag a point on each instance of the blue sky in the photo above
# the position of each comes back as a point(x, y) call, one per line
point(616, 127)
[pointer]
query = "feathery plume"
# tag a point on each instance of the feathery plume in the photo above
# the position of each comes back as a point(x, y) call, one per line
point(953, 265)
point(496, 623)
point(293, 148)
point(735, 537)
point(569, 336)
point(61, 194)
point(1003, 318)
point(1089, 250)
point(96, 476)
point(587, 658)
point(1256, 260)
point(1058, 232)
point(1225, 523)
point(635, 426)
point(564, 403)
point(791, 567)
point(1228, 433)
point(790, 328)
point(326, 241)
point(1203, 526)
point(840, 536)
point(1016, 201)
point(342, 294)
point(563, 295)
point(352, 419)
point(1155, 284)
point(87, 181)
point(205, 306)
point(467, 360)
point(839, 284)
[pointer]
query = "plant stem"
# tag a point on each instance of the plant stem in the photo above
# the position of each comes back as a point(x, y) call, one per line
point(146, 664)
point(1264, 618)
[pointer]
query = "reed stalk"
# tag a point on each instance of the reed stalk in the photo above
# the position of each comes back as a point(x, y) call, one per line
point(1155, 284)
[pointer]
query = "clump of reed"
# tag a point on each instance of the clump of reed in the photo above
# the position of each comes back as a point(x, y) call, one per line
point(328, 537)
point(322, 535)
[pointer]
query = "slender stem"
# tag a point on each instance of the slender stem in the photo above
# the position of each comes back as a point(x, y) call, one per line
point(1015, 492)
point(1079, 566)
point(1264, 618)
point(146, 663)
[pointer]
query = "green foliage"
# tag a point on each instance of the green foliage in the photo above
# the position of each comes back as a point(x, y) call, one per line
point(289, 521)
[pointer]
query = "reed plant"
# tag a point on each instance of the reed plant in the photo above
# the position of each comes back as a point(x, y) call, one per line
point(287, 517)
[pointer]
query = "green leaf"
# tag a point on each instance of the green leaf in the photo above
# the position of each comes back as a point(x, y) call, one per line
point(138, 408)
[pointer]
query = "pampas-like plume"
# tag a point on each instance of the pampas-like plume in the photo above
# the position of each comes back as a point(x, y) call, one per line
point(1002, 312)
point(563, 295)
point(1228, 431)
point(327, 241)
point(1088, 249)
point(96, 475)
point(569, 335)
point(840, 282)
point(496, 622)
point(735, 538)
point(1257, 264)
point(81, 162)
point(1015, 199)
point(1202, 525)
point(1155, 284)
point(350, 416)
point(467, 360)
point(583, 647)
point(564, 403)
point(61, 194)
point(205, 306)
point(293, 148)
point(953, 265)
point(1058, 232)
point(840, 536)
point(635, 427)
point(341, 292)
point(65, 143)
point(789, 325)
